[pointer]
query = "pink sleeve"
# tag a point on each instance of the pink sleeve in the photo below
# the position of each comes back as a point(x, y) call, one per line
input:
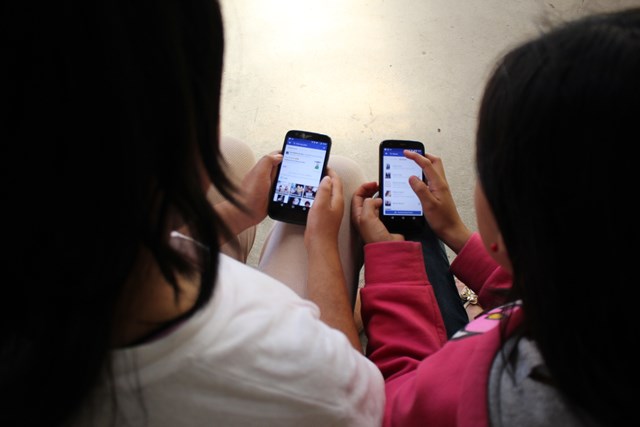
point(476, 269)
point(400, 312)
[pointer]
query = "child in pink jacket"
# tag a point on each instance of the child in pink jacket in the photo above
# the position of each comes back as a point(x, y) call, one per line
point(555, 250)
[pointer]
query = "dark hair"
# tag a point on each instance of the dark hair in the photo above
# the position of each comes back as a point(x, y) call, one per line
point(555, 155)
point(106, 108)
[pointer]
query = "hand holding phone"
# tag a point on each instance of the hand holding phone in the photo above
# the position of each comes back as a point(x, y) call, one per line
point(365, 214)
point(304, 163)
point(401, 210)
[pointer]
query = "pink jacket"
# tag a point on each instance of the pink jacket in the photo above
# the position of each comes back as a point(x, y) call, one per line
point(429, 381)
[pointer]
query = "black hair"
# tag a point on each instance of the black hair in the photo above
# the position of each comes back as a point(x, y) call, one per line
point(555, 155)
point(106, 108)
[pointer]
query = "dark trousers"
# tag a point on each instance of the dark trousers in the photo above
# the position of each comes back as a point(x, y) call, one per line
point(437, 268)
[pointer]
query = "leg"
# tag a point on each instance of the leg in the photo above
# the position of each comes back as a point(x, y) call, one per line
point(240, 159)
point(284, 256)
point(437, 266)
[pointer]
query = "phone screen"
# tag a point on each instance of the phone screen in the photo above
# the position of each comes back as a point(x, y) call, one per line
point(299, 176)
point(399, 200)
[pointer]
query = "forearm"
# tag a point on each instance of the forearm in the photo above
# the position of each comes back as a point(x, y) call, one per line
point(455, 237)
point(326, 287)
point(476, 269)
point(234, 218)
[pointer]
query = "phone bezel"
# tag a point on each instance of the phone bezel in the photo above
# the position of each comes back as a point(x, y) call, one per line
point(286, 213)
point(398, 224)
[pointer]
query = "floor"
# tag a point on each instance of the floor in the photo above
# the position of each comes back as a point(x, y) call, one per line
point(366, 70)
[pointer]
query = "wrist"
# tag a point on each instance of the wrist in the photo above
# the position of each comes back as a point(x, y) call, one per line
point(467, 296)
point(234, 218)
point(321, 245)
point(383, 237)
point(457, 238)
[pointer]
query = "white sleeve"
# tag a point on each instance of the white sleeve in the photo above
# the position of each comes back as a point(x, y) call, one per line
point(292, 359)
point(314, 363)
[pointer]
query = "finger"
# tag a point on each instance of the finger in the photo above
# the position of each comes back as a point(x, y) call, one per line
point(271, 159)
point(436, 162)
point(422, 191)
point(336, 188)
point(370, 209)
point(337, 196)
point(274, 158)
point(323, 195)
point(268, 162)
point(430, 172)
point(363, 192)
point(368, 189)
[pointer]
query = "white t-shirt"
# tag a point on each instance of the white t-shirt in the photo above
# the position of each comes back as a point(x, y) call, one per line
point(255, 355)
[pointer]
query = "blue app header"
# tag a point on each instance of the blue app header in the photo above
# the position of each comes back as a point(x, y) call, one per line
point(318, 145)
point(397, 152)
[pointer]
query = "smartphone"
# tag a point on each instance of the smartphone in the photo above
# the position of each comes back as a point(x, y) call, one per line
point(304, 163)
point(401, 210)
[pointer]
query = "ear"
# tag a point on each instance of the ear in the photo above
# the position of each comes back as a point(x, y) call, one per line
point(489, 231)
point(500, 254)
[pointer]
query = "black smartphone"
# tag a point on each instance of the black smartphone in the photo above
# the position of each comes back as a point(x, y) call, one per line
point(304, 163)
point(401, 210)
